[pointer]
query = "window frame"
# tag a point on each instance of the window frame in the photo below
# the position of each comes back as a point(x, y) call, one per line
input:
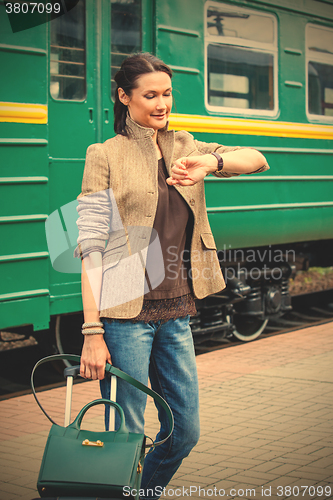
point(321, 58)
point(243, 44)
point(61, 99)
point(111, 54)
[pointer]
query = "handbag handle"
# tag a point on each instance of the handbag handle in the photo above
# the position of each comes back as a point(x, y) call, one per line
point(78, 420)
point(113, 371)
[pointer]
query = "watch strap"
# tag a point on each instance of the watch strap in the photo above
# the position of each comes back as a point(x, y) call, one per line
point(219, 161)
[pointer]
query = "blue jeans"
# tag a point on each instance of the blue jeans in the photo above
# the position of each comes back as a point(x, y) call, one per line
point(165, 352)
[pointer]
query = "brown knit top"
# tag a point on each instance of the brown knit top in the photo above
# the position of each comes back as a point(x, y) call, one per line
point(173, 222)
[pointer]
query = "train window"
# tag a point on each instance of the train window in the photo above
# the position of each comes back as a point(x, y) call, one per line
point(241, 60)
point(125, 33)
point(320, 70)
point(68, 55)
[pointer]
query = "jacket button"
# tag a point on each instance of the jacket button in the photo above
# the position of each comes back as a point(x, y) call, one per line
point(192, 202)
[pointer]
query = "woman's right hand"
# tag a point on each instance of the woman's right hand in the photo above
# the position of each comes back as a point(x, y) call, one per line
point(94, 356)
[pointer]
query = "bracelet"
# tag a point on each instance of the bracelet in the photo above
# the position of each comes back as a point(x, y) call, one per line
point(89, 325)
point(96, 331)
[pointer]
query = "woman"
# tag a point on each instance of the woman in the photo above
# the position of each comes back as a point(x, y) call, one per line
point(148, 181)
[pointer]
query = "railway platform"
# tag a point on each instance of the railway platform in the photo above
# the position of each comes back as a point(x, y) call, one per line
point(266, 417)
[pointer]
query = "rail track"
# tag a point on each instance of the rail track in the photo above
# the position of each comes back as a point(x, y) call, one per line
point(16, 363)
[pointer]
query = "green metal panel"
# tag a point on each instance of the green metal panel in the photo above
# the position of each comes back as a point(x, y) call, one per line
point(319, 9)
point(24, 269)
point(286, 156)
point(63, 285)
point(65, 297)
point(148, 26)
point(42, 164)
point(301, 172)
point(62, 169)
point(24, 188)
point(21, 235)
point(103, 77)
point(69, 129)
point(29, 81)
point(180, 43)
point(292, 67)
point(253, 228)
point(19, 276)
point(26, 158)
point(25, 197)
point(28, 311)
point(73, 126)
point(23, 63)
point(67, 160)
point(258, 191)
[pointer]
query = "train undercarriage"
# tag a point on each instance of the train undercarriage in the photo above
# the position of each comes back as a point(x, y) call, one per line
point(252, 296)
point(257, 290)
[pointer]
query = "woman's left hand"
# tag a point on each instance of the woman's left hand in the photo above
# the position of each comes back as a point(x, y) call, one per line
point(189, 170)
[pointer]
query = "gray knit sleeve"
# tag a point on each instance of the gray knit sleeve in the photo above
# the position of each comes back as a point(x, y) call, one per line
point(97, 208)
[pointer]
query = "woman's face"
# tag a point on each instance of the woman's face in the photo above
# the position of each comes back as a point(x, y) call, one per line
point(151, 101)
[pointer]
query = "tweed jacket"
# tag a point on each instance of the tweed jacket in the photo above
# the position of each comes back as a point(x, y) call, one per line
point(117, 207)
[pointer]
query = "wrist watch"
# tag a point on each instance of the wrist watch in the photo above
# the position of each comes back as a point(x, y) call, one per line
point(219, 162)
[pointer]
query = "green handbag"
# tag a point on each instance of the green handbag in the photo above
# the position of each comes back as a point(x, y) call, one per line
point(94, 464)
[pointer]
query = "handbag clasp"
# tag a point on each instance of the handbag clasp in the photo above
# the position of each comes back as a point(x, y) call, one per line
point(86, 442)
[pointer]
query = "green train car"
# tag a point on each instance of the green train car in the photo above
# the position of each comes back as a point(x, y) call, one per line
point(253, 73)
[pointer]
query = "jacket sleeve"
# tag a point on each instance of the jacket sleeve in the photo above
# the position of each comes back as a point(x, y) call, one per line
point(211, 147)
point(97, 208)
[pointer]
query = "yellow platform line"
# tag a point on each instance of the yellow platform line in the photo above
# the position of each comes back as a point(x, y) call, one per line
point(23, 113)
point(217, 125)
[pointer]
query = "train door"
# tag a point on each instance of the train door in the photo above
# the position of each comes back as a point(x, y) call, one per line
point(178, 42)
point(72, 121)
point(86, 47)
point(72, 126)
point(123, 33)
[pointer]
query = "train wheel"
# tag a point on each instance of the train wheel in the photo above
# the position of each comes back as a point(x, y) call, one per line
point(248, 328)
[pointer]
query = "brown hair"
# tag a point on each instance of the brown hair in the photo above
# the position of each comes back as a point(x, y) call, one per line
point(126, 78)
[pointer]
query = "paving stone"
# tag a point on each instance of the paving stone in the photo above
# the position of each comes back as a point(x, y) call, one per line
point(248, 480)
point(17, 490)
point(5, 495)
point(265, 421)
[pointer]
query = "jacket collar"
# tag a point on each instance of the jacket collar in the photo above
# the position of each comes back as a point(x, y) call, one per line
point(136, 131)
point(165, 138)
